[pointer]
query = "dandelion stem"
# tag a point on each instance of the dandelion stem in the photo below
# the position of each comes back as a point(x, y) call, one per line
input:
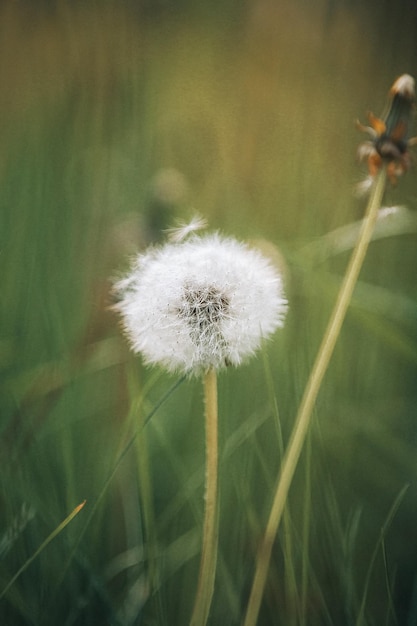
point(305, 410)
point(210, 530)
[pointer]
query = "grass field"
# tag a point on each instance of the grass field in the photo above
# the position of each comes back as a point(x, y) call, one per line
point(118, 119)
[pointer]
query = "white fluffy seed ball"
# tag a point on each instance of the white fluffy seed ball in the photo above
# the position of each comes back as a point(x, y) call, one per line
point(203, 303)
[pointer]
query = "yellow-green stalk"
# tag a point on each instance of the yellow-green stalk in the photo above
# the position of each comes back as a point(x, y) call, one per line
point(208, 561)
point(303, 418)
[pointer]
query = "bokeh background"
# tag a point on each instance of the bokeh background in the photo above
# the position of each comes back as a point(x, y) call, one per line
point(117, 118)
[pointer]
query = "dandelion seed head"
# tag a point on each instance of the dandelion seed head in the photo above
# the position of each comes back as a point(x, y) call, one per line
point(204, 303)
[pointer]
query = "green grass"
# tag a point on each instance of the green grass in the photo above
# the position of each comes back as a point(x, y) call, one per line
point(255, 108)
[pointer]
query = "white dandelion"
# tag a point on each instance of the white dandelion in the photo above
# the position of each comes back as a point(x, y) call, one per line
point(196, 306)
point(203, 303)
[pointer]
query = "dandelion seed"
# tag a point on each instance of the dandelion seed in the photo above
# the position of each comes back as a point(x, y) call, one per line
point(388, 212)
point(204, 303)
point(363, 188)
point(184, 229)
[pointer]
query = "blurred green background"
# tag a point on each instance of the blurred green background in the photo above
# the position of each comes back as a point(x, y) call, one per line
point(117, 119)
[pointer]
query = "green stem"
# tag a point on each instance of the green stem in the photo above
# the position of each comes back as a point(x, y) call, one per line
point(303, 418)
point(208, 562)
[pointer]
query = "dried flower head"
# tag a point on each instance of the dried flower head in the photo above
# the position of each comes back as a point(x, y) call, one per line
point(390, 141)
point(203, 303)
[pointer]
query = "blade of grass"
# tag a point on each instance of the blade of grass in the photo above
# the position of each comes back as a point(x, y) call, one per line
point(43, 545)
point(111, 475)
point(303, 418)
point(391, 514)
point(292, 594)
point(305, 559)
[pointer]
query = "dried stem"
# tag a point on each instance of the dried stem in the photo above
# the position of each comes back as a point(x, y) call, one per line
point(303, 418)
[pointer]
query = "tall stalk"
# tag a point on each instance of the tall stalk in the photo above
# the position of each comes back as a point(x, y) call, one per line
point(208, 561)
point(303, 418)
